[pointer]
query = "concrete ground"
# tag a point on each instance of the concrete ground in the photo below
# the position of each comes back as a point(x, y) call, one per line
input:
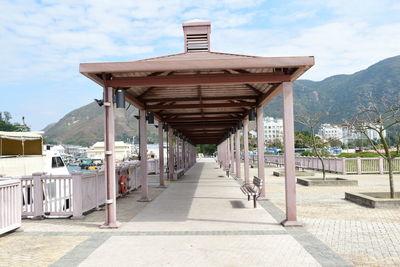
point(204, 219)
point(362, 236)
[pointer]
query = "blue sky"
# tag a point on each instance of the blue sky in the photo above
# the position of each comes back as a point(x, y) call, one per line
point(43, 42)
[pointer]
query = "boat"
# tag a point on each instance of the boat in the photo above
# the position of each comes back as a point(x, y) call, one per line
point(23, 153)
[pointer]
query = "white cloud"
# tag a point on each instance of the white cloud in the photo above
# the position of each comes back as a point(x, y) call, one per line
point(46, 42)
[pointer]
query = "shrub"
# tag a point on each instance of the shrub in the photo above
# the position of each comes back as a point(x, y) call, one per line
point(365, 155)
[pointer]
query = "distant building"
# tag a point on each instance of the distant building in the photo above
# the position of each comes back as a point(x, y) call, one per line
point(344, 133)
point(76, 151)
point(273, 129)
point(252, 134)
point(122, 151)
point(374, 135)
point(328, 131)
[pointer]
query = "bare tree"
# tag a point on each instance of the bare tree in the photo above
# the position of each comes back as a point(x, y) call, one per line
point(313, 122)
point(379, 117)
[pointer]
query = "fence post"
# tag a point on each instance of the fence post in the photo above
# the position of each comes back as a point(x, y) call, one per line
point(381, 170)
point(96, 184)
point(359, 165)
point(38, 213)
point(77, 212)
point(344, 166)
point(336, 165)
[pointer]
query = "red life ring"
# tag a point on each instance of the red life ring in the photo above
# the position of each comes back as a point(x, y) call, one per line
point(122, 186)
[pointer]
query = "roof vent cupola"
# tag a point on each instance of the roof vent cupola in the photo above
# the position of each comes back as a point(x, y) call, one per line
point(197, 35)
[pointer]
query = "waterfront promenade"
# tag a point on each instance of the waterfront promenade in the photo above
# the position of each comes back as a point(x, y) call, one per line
point(203, 219)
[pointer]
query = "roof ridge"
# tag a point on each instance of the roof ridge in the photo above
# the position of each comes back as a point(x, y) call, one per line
point(164, 56)
point(231, 54)
point(196, 53)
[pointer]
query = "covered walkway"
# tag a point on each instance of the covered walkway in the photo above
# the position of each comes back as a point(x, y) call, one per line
point(199, 97)
point(202, 220)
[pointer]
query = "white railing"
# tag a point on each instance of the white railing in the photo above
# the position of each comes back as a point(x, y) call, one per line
point(340, 165)
point(153, 166)
point(72, 195)
point(10, 205)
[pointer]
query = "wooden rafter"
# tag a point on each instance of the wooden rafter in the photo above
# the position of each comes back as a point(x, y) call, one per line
point(199, 79)
point(199, 106)
point(202, 119)
point(180, 99)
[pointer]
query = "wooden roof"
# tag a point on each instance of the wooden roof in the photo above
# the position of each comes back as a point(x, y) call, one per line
point(200, 94)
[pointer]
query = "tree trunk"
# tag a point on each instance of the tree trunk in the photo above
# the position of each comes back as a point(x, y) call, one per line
point(317, 153)
point(389, 161)
point(323, 166)
point(390, 169)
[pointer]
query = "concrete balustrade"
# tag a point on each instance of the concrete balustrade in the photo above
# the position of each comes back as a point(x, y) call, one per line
point(73, 195)
point(10, 205)
point(340, 165)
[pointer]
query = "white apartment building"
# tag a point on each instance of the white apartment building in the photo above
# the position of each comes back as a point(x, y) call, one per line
point(328, 131)
point(344, 134)
point(273, 129)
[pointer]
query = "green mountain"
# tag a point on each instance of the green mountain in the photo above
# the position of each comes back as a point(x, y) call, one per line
point(84, 126)
point(340, 93)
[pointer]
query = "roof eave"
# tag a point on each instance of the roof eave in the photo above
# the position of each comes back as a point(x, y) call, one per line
point(184, 65)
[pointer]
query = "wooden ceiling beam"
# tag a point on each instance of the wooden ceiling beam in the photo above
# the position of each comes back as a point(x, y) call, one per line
point(204, 119)
point(202, 131)
point(271, 94)
point(205, 113)
point(200, 106)
point(201, 126)
point(198, 79)
point(178, 99)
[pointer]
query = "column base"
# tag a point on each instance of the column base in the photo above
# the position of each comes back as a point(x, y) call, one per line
point(287, 223)
point(162, 186)
point(113, 225)
point(145, 199)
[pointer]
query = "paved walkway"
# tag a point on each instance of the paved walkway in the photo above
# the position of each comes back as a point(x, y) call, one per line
point(201, 220)
point(362, 236)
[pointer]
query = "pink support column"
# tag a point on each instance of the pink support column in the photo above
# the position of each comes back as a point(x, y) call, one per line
point(144, 189)
point(221, 157)
point(237, 151)
point(109, 166)
point(228, 154)
point(220, 154)
point(184, 157)
point(261, 148)
point(246, 150)
point(178, 152)
point(161, 153)
point(170, 155)
point(176, 156)
point(232, 153)
point(288, 137)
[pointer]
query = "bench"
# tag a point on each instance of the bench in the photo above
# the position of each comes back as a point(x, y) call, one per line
point(298, 166)
point(252, 190)
point(227, 169)
point(179, 173)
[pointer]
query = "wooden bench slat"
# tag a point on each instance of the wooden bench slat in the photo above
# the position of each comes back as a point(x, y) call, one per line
point(251, 191)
